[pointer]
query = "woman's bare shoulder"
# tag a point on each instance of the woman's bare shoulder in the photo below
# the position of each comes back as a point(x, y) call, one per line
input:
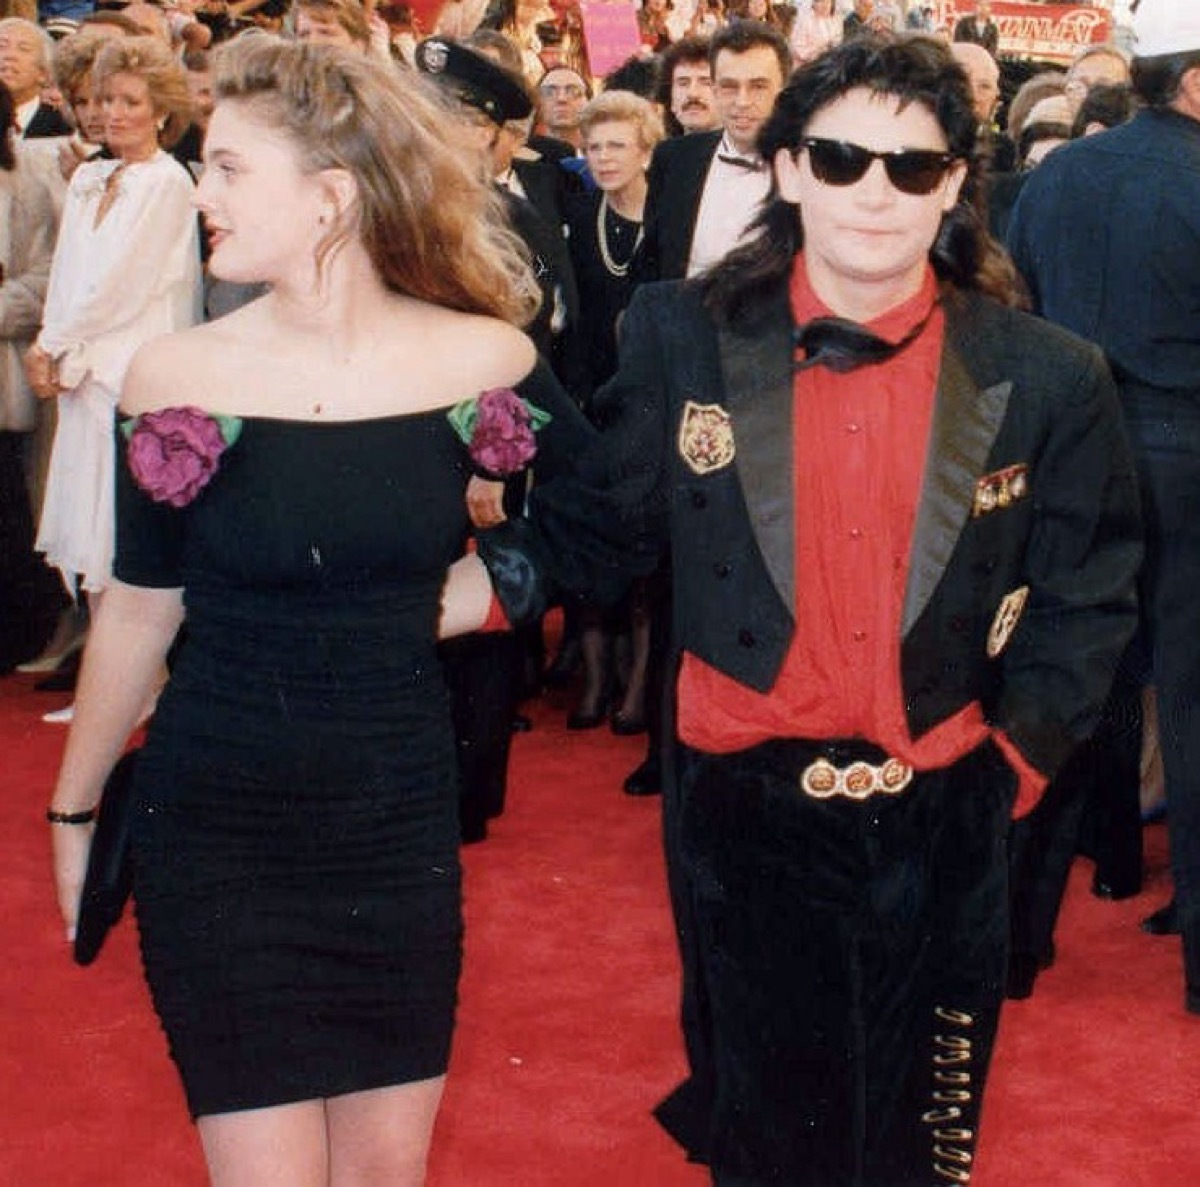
point(179, 369)
point(483, 352)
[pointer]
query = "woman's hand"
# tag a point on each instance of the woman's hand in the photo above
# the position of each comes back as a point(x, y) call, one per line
point(71, 154)
point(42, 373)
point(485, 502)
point(72, 844)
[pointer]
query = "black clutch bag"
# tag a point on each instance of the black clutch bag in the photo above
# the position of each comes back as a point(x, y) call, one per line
point(109, 879)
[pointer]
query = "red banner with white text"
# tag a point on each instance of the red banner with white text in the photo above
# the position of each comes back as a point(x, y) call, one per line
point(1049, 32)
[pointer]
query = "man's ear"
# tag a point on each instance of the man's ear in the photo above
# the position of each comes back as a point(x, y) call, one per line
point(956, 176)
point(1188, 99)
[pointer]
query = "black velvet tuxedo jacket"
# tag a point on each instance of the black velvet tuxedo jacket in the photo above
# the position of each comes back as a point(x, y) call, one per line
point(1016, 397)
point(675, 186)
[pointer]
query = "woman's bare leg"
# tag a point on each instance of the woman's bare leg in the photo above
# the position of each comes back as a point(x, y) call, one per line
point(280, 1146)
point(381, 1138)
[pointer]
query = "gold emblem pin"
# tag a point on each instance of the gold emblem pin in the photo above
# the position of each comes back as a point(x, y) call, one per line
point(1000, 489)
point(706, 437)
point(1005, 622)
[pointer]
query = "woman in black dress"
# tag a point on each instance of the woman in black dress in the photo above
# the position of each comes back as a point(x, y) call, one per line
point(620, 130)
point(294, 483)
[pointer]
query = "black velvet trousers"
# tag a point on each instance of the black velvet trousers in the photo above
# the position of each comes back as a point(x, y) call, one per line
point(844, 968)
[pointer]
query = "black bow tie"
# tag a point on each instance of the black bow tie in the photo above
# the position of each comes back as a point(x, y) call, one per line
point(842, 345)
point(753, 164)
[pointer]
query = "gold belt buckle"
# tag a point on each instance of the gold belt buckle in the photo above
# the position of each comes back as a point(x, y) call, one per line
point(822, 780)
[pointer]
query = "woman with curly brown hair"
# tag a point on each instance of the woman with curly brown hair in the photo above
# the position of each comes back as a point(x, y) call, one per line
point(296, 473)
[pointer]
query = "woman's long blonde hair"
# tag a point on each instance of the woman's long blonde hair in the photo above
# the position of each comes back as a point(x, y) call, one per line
point(432, 225)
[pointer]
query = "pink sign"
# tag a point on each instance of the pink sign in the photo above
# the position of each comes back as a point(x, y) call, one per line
point(1049, 32)
point(610, 31)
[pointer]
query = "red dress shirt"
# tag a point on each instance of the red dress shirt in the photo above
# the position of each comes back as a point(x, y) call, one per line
point(859, 446)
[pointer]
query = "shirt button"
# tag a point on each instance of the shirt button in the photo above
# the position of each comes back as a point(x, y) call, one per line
point(856, 533)
point(746, 637)
point(859, 636)
point(722, 569)
point(852, 427)
point(699, 500)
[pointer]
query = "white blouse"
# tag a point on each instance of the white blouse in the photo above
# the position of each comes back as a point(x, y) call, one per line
point(133, 277)
point(113, 287)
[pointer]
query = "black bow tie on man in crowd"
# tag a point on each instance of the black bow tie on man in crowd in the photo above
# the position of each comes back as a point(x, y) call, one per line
point(843, 345)
point(752, 164)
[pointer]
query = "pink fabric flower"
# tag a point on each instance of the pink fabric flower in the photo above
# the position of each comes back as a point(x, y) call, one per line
point(173, 454)
point(503, 440)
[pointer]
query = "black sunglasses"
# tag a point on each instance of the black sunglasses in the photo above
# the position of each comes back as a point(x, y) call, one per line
point(910, 170)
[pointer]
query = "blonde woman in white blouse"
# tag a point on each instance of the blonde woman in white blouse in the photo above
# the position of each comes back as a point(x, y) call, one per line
point(126, 269)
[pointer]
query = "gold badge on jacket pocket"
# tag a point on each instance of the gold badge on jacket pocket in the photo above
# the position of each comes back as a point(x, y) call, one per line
point(1005, 622)
point(1000, 489)
point(705, 437)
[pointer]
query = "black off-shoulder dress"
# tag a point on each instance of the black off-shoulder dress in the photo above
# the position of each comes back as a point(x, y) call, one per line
point(296, 865)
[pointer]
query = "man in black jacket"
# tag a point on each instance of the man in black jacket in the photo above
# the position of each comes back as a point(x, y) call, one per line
point(704, 189)
point(979, 28)
point(904, 526)
point(26, 66)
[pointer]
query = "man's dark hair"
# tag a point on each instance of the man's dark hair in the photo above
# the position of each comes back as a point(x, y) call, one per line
point(639, 74)
point(1157, 80)
point(911, 70)
point(686, 49)
point(741, 36)
point(1110, 104)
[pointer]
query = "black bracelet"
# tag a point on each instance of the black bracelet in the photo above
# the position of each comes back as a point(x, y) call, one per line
point(84, 817)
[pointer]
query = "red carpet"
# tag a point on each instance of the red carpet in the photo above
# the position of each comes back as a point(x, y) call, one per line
point(567, 1030)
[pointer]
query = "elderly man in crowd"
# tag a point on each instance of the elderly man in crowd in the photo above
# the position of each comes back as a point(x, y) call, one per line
point(26, 66)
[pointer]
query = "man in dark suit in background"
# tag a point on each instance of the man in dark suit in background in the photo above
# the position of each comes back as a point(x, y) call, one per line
point(26, 66)
point(979, 28)
point(484, 671)
point(1107, 236)
point(904, 528)
point(705, 189)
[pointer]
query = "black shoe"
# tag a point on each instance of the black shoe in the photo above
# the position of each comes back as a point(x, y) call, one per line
point(580, 720)
point(63, 678)
point(563, 667)
point(625, 725)
point(520, 724)
point(1022, 974)
point(472, 832)
point(1115, 889)
point(1164, 921)
point(646, 780)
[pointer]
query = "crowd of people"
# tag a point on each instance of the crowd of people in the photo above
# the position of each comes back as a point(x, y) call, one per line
point(835, 382)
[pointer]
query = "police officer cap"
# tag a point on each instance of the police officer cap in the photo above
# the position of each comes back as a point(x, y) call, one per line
point(1166, 27)
point(476, 80)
